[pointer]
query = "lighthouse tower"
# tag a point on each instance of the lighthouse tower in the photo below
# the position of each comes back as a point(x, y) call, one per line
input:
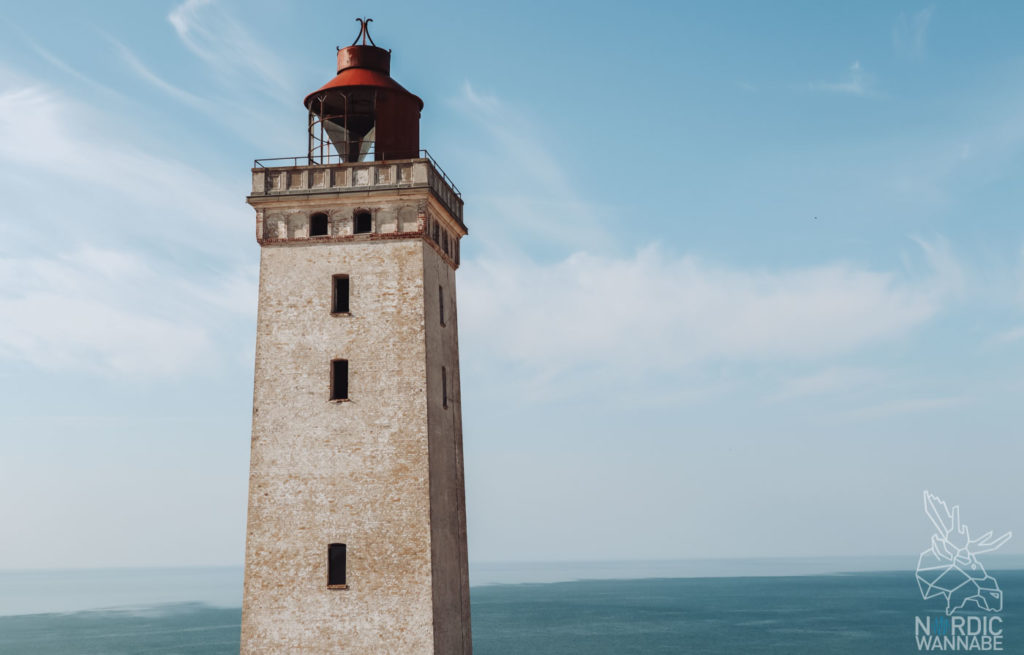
point(356, 538)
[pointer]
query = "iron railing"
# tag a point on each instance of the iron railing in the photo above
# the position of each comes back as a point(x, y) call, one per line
point(337, 160)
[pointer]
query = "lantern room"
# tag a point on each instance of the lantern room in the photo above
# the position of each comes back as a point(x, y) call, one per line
point(362, 114)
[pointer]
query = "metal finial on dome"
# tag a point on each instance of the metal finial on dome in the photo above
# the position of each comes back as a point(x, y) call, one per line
point(364, 31)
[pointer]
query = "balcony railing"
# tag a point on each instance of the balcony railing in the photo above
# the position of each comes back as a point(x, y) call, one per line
point(336, 159)
point(282, 176)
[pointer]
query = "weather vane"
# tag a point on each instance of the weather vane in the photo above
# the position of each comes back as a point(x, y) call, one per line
point(364, 31)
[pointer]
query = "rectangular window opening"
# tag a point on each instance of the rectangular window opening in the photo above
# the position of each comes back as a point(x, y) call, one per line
point(339, 298)
point(363, 222)
point(339, 379)
point(318, 225)
point(444, 387)
point(336, 556)
point(440, 302)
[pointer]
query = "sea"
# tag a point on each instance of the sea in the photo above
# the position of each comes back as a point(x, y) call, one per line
point(712, 607)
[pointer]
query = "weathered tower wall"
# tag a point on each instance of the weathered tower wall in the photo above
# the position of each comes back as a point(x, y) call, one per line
point(382, 470)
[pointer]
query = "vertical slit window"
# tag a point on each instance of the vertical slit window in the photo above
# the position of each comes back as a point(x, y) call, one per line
point(339, 379)
point(336, 556)
point(440, 303)
point(339, 294)
point(444, 387)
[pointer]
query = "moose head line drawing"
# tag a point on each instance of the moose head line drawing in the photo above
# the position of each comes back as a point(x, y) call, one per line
point(950, 568)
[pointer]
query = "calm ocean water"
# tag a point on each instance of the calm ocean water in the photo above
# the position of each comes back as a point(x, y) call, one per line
point(838, 614)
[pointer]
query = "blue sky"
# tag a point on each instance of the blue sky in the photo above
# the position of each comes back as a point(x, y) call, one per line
point(742, 279)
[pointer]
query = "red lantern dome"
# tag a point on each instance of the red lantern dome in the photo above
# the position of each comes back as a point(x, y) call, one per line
point(362, 113)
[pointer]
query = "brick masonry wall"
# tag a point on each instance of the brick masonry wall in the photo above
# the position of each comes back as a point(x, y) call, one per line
point(381, 473)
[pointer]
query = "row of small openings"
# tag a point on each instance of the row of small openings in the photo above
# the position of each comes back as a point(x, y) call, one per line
point(340, 297)
point(339, 367)
point(339, 381)
point(362, 223)
point(449, 244)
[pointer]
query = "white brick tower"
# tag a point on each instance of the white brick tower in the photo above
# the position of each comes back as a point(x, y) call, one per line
point(356, 539)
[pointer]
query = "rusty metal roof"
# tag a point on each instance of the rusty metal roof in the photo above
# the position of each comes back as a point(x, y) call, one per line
point(362, 65)
point(362, 77)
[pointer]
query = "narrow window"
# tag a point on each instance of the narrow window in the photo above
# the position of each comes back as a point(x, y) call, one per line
point(318, 225)
point(444, 242)
point(435, 234)
point(363, 223)
point(339, 379)
point(339, 295)
point(444, 387)
point(440, 302)
point(336, 566)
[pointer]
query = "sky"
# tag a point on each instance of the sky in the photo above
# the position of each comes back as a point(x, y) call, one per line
point(742, 279)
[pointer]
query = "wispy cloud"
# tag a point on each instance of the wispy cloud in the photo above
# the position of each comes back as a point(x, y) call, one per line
point(907, 406)
point(910, 34)
point(129, 309)
point(226, 45)
point(945, 268)
point(1012, 335)
point(257, 123)
point(480, 101)
point(106, 311)
point(145, 73)
point(44, 130)
point(856, 83)
point(66, 68)
point(658, 312)
point(553, 210)
point(515, 135)
point(828, 381)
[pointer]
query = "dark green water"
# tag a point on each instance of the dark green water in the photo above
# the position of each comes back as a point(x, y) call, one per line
point(862, 613)
point(837, 614)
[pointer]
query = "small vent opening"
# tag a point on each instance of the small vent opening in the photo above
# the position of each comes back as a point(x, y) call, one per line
point(444, 387)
